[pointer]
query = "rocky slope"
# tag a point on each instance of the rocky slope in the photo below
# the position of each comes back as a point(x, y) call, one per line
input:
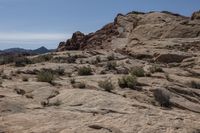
point(158, 52)
point(136, 27)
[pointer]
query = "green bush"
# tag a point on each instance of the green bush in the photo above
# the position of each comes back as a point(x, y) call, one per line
point(106, 85)
point(111, 65)
point(84, 71)
point(45, 76)
point(129, 81)
point(137, 71)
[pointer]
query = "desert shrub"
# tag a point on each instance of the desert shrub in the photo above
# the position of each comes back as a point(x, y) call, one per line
point(111, 65)
point(194, 84)
point(80, 85)
point(56, 103)
point(45, 76)
point(1, 82)
point(106, 85)
point(60, 71)
point(111, 57)
point(72, 81)
point(48, 104)
point(59, 60)
point(98, 59)
point(129, 81)
point(84, 71)
point(24, 78)
point(162, 97)
point(71, 59)
point(42, 58)
point(6, 59)
point(4, 76)
point(22, 61)
point(137, 71)
point(155, 68)
point(196, 131)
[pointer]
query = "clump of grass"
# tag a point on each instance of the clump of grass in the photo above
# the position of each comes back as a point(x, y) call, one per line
point(80, 85)
point(6, 59)
point(155, 68)
point(42, 58)
point(137, 71)
point(84, 71)
point(111, 57)
point(162, 97)
point(195, 85)
point(1, 82)
point(128, 81)
point(111, 65)
point(45, 76)
point(106, 85)
point(60, 71)
point(98, 59)
point(72, 81)
point(48, 104)
point(4, 76)
point(25, 78)
point(22, 61)
point(56, 103)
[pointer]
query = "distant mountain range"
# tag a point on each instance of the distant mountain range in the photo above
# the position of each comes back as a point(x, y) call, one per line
point(41, 50)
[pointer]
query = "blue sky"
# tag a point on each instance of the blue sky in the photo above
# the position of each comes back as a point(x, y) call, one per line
point(35, 23)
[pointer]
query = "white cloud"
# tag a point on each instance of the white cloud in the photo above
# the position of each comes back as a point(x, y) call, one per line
point(23, 36)
point(31, 40)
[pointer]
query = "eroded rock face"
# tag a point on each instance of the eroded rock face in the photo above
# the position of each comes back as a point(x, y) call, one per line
point(136, 25)
point(196, 15)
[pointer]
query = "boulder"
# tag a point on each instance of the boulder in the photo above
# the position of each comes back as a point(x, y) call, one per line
point(171, 58)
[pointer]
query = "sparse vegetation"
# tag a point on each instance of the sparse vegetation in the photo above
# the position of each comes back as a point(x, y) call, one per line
point(42, 58)
point(1, 82)
point(6, 59)
point(137, 71)
point(80, 85)
point(60, 71)
point(4, 76)
point(25, 78)
point(106, 85)
point(195, 84)
point(45, 76)
point(84, 71)
point(128, 81)
point(111, 57)
point(162, 97)
point(111, 65)
point(155, 68)
point(72, 81)
point(22, 61)
point(98, 59)
point(48, 104)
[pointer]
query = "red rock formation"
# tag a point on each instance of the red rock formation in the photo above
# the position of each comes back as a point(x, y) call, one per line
point(137, 25)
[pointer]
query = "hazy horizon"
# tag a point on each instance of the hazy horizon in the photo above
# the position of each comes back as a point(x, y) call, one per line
point(35, 23)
